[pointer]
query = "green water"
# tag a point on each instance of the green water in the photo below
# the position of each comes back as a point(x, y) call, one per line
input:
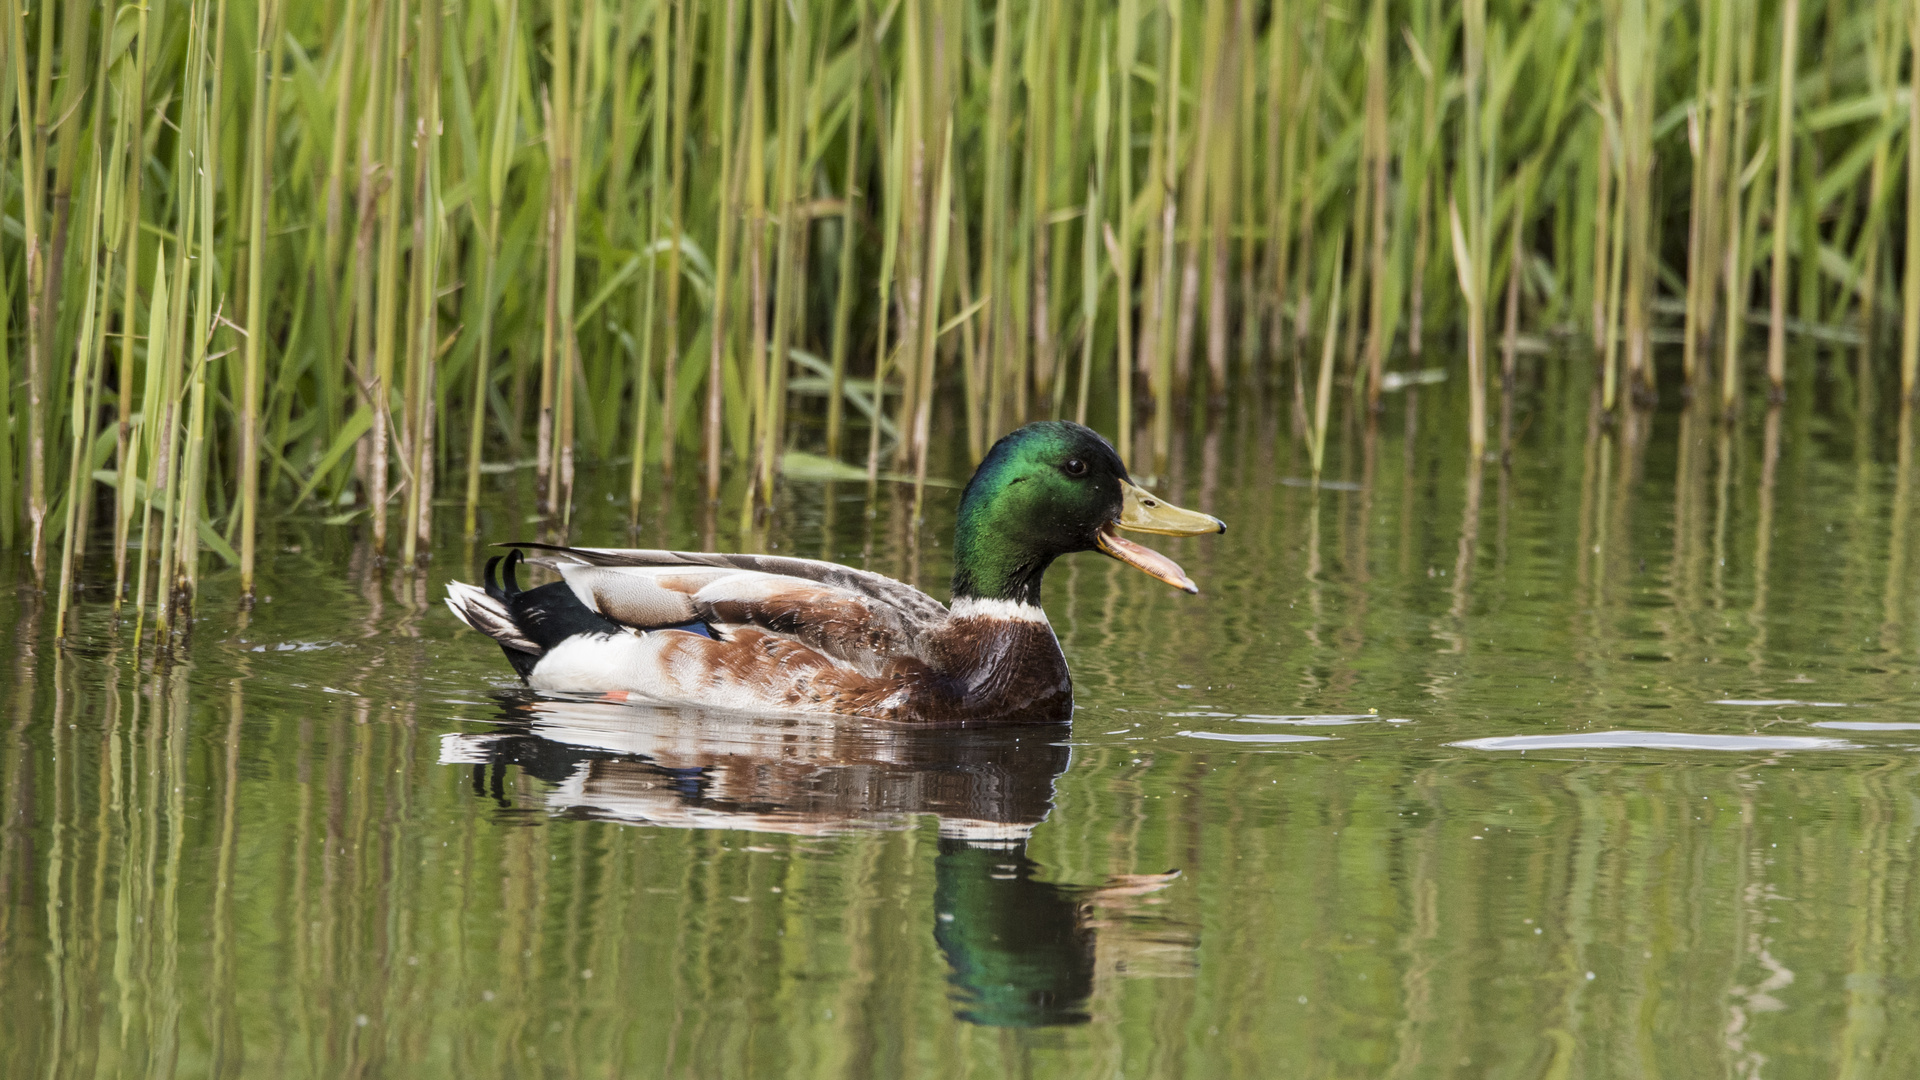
point(326, 839)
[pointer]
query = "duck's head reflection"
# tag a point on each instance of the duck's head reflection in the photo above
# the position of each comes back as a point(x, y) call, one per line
point(1022, 951)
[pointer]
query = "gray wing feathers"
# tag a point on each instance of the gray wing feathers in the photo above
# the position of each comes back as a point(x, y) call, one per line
point(853, 627)
point(912, 604)
point(637, 596)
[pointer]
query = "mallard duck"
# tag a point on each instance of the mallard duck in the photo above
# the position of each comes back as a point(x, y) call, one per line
point(765, 633)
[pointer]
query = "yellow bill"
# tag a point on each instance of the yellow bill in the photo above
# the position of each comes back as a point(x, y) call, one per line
point(1142, 511)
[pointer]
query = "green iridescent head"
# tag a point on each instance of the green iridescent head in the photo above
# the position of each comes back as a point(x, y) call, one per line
point(1050, 489)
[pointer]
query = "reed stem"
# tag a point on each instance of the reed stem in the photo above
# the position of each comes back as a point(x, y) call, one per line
point(31, 140)
point(660, 94)
point(1782, 200)
point(723, 255)
point(1323, 387)
point(1910, 286)
point(266, 20)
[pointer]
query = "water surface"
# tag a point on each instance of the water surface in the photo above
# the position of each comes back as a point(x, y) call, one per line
point(1604, 763)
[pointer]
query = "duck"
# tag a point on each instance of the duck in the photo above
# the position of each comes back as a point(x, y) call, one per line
point(772, 634)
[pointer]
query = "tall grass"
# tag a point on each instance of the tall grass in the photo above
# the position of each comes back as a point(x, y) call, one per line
point(264, 258)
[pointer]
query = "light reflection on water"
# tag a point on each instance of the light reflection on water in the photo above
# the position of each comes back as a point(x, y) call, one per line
point(1292, 827)
point(1656, 740)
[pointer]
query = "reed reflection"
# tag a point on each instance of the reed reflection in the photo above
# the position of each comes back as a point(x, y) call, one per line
point(1021, 951)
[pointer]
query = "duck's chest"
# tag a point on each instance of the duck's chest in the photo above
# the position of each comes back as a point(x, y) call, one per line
point(997, 670)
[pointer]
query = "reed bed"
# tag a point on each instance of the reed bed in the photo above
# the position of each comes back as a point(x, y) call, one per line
point(264, 258)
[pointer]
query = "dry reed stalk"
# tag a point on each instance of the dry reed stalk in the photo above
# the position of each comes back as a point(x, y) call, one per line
point(1323, 386)
point(158, 312)
point(942, 214)
point(1602, 218)
point(1738, 211)
point(75, 37)
point(1310, 127)
point(660, 91)
point(1161, 381)
point(130, 109)
point(1035, 369)
point(368, 189)
point(1882, 64)
point(1705, 276)
point(180, 540)
point(1196, 192)
point(889, 253)
point(1252, 300)
point(1277, 195)
point(1516, 256)
point(1782, 199)
point(1379, 152)
point(616, 195)
point(424, 348)
point(387, 280)
point(676, 213)
point(1470, 244)
point(1220, 199)
point(567, 121)
point(266, 21)
point(844, 288)
point(9, 470)
point(32, 141)
point(83, 387)
point(1610, 289)
point(997, 314)
point(1090, 233)
point(181, 580)
point(915, 215)
point(165, 480)
point(795, 51)
point(972, 353)
point(723, 255)
point(106, 163)
point(543, 470)
point(1639, 31)
point(499, 162)
point(1696, 246)
point(1910, 285)
point(1126, 50)
point(42, 96)
point(755, 177)
point(1146, 347)
point(346, 63)
point(1423, 211)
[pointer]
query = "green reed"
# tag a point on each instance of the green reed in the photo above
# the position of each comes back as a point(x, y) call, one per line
point(396, 240)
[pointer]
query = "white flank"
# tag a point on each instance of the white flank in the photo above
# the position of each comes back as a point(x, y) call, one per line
point(599, 663)
point(633, 661)
point(972, 607)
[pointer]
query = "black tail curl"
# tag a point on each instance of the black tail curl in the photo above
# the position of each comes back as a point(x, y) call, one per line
point(512, 559)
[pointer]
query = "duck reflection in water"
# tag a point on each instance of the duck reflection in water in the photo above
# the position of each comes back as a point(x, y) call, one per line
point(1022, 952)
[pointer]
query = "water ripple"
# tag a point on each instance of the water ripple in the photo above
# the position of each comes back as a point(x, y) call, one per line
point(1654, 740)
point(1255, 737)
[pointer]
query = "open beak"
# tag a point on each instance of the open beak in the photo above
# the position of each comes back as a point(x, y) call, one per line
point(1142, 511)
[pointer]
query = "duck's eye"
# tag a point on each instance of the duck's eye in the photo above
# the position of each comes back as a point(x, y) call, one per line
point(1075, 467)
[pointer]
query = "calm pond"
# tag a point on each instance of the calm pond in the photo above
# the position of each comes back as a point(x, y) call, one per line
point(1603, 764)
